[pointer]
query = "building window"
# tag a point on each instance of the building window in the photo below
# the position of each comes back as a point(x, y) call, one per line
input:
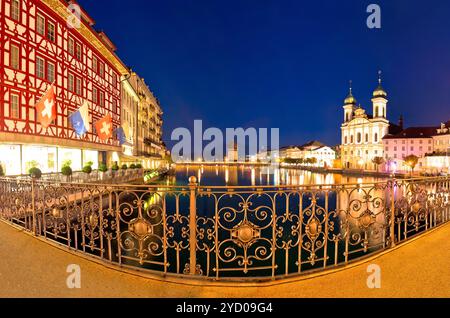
point(412, 148)
point(114, 106)
point(95, 64)
point(387, 148)
point(358, 138)
point(102, 98)
point(50, 72)
point(71, 46)
point(376, 137)
point(101, 69)
point(114, 79)
point(39, 67)
point(40, 25)
point(376, 111)
point(367, 137)
point(15, 107)
point(395, 148)
point(351, 139)
point(94, 95)
point(78, 51)
point(15, 10)
point(345, 140)
point(403, 148)
point(71, 83)
point(14, 58)
point(50, 31)
point(78, 86)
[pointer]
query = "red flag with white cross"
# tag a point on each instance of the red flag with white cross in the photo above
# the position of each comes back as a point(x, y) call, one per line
point(46, 108)
point(104, 128)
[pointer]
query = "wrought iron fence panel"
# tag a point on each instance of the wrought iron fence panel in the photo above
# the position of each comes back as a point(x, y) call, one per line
point(226, 232)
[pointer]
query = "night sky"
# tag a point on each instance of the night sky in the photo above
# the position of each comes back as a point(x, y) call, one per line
point(285, 64)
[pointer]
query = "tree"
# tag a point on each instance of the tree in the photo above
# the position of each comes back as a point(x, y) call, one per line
point(377, 161)
point(411, 161)
point(313, 160)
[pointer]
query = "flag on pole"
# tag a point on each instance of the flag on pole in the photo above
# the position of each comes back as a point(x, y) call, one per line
point(104, 127)
point(46, 108)
point(80, 119)
point(120, 135)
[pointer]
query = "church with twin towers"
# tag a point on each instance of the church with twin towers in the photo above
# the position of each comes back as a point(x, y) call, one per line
point(362, 133)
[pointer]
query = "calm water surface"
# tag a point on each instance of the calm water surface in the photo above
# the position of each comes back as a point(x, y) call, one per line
point(255, 176)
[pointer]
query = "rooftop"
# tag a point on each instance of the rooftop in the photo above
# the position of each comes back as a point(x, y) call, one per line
point(413, 132)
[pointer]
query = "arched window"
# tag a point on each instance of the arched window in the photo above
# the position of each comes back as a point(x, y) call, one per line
point(351, 139)
point(376, 137)
point(376, 111)
point(384, 112)
point(358, 138)
point(345, 140)
point(367, 137)
point(346, 117)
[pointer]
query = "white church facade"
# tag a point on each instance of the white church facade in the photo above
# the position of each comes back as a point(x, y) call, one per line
point(362, 134)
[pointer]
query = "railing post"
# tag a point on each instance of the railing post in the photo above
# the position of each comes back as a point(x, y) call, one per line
point(192, 224)
point(392, 223)
point(33, 206)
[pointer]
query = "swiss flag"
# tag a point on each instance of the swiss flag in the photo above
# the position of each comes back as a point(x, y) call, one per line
point(46, 108)
point(104, 128)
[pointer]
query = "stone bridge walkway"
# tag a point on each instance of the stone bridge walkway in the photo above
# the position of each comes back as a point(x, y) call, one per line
point(31, 268)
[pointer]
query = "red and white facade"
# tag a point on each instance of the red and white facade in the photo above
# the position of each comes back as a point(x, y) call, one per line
point(38, 48)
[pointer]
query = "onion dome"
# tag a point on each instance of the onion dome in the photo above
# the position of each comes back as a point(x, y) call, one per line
point(350, 99)
point(379, 91)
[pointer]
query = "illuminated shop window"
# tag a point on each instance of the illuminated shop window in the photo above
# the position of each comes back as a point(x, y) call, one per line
point(41, 157)
point(90, 156)
point(10, 159)
point(72, 155)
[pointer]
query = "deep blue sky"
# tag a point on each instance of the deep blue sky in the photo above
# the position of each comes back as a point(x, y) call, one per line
point(280, 63)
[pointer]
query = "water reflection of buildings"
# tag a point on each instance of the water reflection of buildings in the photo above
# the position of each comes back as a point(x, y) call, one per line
point(254, 175)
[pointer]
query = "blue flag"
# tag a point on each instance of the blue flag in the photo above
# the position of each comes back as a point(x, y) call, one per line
point(80, 120)
point(120, 135)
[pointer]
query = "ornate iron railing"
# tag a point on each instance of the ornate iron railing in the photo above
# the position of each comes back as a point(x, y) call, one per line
point(227, 232)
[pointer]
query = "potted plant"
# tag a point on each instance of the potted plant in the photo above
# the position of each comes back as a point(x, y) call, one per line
point(103, 168)
point(35, 172)
point(115, 168)
point(66, 170)
point(139, 166)
point(132, 166)
point(87, 169)
point(124, 168)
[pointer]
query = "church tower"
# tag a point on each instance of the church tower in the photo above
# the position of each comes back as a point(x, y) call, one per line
point(349, 105)
point(379, 100)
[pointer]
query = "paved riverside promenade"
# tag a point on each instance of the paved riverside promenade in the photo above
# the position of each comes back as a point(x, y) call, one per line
point(32, 268)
